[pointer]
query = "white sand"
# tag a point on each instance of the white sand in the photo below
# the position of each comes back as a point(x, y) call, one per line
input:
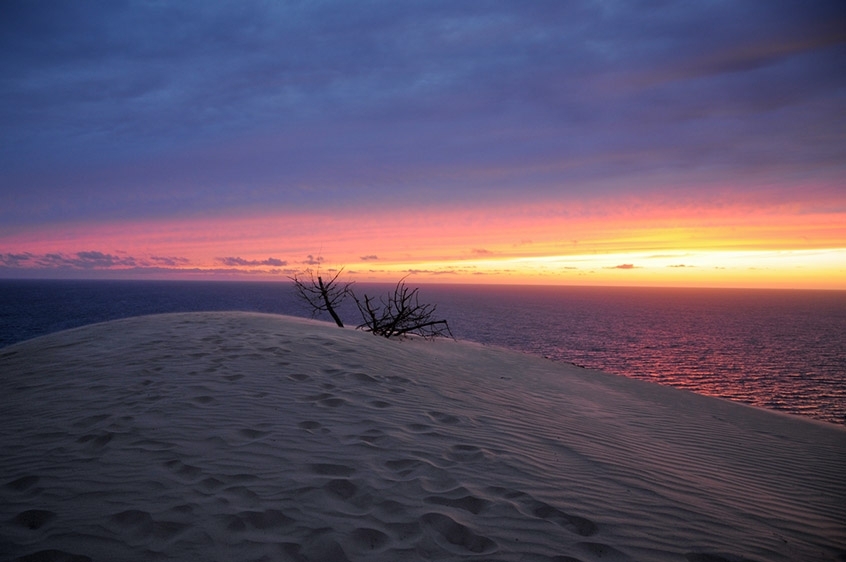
point(233, 436)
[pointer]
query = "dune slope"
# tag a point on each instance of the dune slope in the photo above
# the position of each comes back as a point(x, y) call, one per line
point(236, 436)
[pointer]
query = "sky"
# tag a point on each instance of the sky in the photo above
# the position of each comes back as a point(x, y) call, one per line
point(586, 142)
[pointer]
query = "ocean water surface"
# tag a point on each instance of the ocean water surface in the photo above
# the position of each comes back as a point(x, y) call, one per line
point(777, 349)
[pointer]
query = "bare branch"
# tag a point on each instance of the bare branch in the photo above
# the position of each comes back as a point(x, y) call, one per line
point(400, 314)
point(320, 295)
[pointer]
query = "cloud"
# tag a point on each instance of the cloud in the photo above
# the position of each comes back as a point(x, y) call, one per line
point(481, 252)
point(431, 271)
point(170, 261)
point(15, 260)
point(311, 260)
point(622, 266)
point(681, 265)
point(94, 261)
point(85, 260)
point(369, 258)
point(102, 102)
point(241, 262)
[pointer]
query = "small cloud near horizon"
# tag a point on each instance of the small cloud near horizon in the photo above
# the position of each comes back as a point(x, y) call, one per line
point(430, 271)
point(15, 260)
point(170, 261)
point(80, 260)
point(369, 258)
point(241, 262)
point(105, 265)
point(86, 260)
point(623, 266)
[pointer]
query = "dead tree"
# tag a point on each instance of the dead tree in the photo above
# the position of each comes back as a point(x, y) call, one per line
point(322, 296)
point(400, 314)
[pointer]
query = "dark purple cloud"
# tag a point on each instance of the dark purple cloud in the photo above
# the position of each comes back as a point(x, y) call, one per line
point(129, 109)
point(105, 265)
point(88, 260)
point(15, 260)
point(169, 261)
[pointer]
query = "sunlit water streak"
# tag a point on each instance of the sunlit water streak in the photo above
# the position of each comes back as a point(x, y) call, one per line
point(783, 350)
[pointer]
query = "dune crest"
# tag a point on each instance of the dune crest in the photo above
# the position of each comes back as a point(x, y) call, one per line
point(238, 436)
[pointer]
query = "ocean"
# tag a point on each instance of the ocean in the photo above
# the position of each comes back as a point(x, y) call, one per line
point(778, 349)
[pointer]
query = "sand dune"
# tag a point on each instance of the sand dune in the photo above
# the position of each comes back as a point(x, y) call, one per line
point(234, 436)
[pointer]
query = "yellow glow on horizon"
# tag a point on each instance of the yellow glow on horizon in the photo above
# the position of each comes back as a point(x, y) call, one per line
point(733, 247)
point(821, 269)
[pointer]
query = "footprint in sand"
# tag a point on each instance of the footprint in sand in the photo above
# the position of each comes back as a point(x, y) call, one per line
point(53, 554)
point(326, 469)
point(210, 484)
point(252, 433)
point(443, 418)
point(333, 402)
point(706, 557)
point(22, 484)
point(141, 525)
point(91, 420)
point(603, 551)
point(468, 503)
point(579, 525)
point(532, 506)
point(96, 441)
point(325, 399)
point(131, 518)
point(403, 467)
point(310, 425)
point(183, 470)
point(362, 378)
point(465, 453)
point(403, 531)
point(341, 488)
point(261, 520)
point(365, 539)
point(34, 519)
point(458, 535)
point(374, 437)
